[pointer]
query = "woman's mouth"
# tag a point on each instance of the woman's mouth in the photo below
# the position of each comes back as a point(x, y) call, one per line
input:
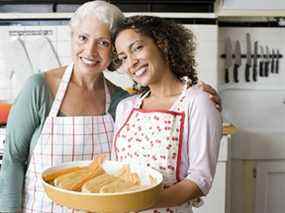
point(89, 61)
point(140, 72)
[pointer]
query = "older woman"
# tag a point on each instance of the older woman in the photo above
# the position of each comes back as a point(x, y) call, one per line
point(63, 114)
point(171, 125)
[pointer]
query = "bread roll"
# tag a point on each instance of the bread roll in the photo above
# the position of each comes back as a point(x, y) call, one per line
point(94, 185)
point(49, 177)
point(118, 185)
point(74, 180)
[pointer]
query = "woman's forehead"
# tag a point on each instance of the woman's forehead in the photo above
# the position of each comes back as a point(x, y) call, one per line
point(93, 26)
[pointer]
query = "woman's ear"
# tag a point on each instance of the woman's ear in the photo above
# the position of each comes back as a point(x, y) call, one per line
point(163, 46)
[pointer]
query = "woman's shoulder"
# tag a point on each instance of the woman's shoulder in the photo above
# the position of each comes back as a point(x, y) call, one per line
point(195, 91)
point(130, 100)
point(197, 97)
point(34, 82)
point(55, 73)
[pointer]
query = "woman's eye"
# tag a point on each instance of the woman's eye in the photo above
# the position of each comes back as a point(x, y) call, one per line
point(104, 43)
point(137, 48)
point(82, 38)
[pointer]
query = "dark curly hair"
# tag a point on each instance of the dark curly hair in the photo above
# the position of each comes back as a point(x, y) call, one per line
point(175, 42)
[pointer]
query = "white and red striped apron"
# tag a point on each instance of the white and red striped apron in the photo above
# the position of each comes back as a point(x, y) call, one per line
point(154, 138)
point(65, 139)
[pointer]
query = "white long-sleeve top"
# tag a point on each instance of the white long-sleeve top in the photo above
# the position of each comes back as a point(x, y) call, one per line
point(201, 136)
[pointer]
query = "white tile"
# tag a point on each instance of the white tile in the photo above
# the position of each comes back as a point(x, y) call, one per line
point(4, 35)
point(65, 60)
point(63, 33)
point(64, 48)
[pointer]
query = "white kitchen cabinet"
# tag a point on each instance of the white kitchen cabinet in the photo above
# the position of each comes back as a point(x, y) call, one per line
point(270, 187)
point(252, 8)
point(218, 199)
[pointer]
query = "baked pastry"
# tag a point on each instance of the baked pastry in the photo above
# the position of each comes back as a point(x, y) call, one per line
point(94, 185)
point(49, 177)
point(118, 185)
point(75, 180)
point(125, 180)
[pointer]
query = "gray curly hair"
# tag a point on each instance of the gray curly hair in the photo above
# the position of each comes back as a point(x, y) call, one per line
point(104, 11)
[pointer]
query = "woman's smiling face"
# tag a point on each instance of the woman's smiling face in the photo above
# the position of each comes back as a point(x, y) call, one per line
point(91, 46)
point(140, 57)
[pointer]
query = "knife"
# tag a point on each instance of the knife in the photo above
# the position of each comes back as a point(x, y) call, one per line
point(254, 70)
point(248, 57)
point(272, 61)
point(237, 60)
point(261, 62)
point(277, 62)
point(266, 68)
point(228, 62)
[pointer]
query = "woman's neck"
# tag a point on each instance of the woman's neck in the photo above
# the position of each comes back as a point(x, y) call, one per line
point(167, 87)
point(86, 82)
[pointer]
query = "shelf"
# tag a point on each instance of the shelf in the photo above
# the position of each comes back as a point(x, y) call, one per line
point(222, 13)
point(13, 16)
point(250, 86)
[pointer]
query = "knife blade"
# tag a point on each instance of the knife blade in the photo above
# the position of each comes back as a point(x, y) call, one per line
point(266, 67)
point(277, 62)
point(254, 69)
point(237, 62)
point(248, 57)
point(261, 62)
point(272, 61)
point(228, 61)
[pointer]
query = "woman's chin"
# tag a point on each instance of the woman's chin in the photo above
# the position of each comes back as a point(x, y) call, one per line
point(90, 69)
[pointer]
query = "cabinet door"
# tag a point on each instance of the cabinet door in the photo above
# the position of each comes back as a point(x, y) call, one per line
point(270, 188)
point(215, 201)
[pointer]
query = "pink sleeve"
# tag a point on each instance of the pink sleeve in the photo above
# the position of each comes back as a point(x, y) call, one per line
point(204, 134)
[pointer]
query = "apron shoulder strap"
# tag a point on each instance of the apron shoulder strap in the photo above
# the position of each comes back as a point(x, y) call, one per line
point(61, 91)
point(108, 96)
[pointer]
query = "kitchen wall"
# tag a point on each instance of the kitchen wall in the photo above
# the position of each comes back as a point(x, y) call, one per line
point(257, 109)
point(15, 67)
point(14, 62)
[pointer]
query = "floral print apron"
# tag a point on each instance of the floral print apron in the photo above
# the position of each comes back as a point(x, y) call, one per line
point(154, 138)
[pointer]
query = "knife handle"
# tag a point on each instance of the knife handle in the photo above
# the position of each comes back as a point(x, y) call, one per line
point(247, 67)
point(227, 79)
point(277, 66)
point(254, 72)
point(266, 69)
point(261, 63)
point(236, 66)
point(272, 65)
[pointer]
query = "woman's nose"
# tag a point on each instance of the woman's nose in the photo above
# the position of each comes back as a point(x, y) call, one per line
point(92, 49)
point(132, 63)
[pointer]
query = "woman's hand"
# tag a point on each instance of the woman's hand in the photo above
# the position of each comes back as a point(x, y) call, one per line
point(178, 194)
point(213, 94)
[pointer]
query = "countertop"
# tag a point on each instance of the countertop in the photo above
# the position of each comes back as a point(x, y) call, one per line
point(229, 129)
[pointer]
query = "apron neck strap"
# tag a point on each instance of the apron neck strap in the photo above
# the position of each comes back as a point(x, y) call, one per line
point(107, 95)
point(62, 90)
